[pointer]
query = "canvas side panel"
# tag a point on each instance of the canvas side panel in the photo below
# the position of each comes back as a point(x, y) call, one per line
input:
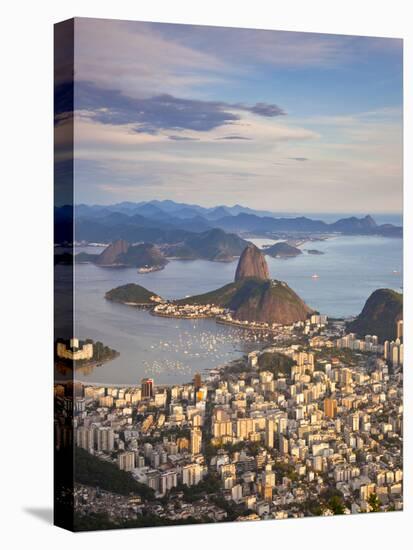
point(63, 273)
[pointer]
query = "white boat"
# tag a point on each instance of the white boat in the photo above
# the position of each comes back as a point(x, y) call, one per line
point(315, 276)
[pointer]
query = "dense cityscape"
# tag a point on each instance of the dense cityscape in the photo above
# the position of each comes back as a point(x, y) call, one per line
point(286, 431)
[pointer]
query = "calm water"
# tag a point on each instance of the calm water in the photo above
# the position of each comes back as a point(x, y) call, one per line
point(350, 269)
point(173, 350)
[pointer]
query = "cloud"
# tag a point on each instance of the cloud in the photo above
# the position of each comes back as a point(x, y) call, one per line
point(279, 48)
point(161, 112)
point(264, 109)
point(141, 60)
point(298, 159)
point(145, 59)
point(258, 133)
point(231, 138)
point(182, 138)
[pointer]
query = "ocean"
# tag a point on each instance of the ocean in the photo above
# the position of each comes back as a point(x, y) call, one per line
point(171, 350)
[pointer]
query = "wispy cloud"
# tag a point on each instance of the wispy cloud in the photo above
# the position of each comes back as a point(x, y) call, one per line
point(232, 138)
point(280, 48)
point(183, 138)
point(141, 60)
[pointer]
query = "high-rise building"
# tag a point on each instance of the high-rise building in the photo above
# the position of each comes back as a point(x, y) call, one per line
point(147, 388)
point(104, 439)
point(354, 421)
point(106, 401)
point(346, 377)
point(399, 329)
point(283, 445)
point(191, 474)
point(236, 492)
point(221, 423)
point(196, 420)
point(244, 427)
point(153, 479)
point(197, 381)
point(268, 476)
point(196, 441)
point(269, 432)
point(394, 350)
point(155, 459)
point(126, 461)
point(330, 407)
point(85, 438)
point(282, 425)
point(167, 481)
point(183, 444)
point(386, 350)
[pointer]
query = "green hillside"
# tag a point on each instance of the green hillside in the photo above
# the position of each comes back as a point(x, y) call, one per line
point(253, 299)
point(132, 293)
point(379, 316)
point(89, 470)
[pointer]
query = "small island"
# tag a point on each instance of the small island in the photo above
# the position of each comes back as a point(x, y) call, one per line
point(315, 252)
point(133, 295)
point(283, 250)
point(83, 353)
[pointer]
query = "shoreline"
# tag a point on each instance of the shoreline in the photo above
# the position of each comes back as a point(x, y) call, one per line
point(217, 318)
point(207, 373)
point(87, 364)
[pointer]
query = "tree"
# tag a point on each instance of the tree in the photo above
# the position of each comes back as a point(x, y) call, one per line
point(336, 505)
point(374, 503)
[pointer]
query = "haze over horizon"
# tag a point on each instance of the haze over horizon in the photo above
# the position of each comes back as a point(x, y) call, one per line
point(264, 208)
point(273, 120)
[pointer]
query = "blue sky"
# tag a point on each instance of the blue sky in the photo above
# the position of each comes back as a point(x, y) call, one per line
point(271, 119)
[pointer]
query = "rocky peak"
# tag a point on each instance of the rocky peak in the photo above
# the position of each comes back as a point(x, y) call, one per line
point(368, 221)
point(252, 263)
point(111, 253)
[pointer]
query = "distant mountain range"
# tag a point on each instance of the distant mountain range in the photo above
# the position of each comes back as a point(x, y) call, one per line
point(170, 222)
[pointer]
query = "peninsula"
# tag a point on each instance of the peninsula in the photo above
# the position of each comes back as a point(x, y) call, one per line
point(253, 299)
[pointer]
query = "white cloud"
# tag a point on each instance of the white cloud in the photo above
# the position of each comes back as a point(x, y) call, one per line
point(354, 163)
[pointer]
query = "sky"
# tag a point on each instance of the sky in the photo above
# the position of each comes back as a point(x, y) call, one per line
point(274, 120)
